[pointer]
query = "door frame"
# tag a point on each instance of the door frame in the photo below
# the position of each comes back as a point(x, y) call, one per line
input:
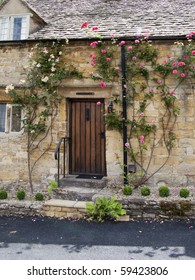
point(95, 100)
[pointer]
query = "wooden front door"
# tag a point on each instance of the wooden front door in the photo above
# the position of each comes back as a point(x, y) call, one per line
point(87, 138)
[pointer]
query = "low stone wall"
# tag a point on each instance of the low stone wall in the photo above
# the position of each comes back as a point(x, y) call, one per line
point(135, 208)
point(140, 208)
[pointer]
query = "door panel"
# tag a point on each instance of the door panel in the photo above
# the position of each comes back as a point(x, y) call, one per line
point(87, 133)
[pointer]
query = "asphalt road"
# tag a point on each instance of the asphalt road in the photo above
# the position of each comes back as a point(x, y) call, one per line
point(38, 238)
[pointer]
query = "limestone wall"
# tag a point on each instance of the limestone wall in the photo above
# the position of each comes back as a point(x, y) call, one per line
point(13, 158)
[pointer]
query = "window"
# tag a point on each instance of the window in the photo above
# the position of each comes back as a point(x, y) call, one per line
point(14, 27)
point(10, 118)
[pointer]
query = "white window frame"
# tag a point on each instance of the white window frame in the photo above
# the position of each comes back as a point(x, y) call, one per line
point(10, 26)
point(8, 119)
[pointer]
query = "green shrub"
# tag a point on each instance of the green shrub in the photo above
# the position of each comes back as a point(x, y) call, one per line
point(39, 197)
point(52, 186)
point(104, 209)
point(164, 191)
point(20, 194)
point(127, 190)
point(3, 194)
point(184, 193)
point(145, 191)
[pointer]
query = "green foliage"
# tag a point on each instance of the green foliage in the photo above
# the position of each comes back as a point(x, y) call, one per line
point(145, 191)
point(20, 194)
point(52, 186)
point(3, 194)
point(184, 192)
point(164, 191)
point(127, 190)
point(105, 208)
point(114, 121)
point(39, 98)
point(39, 197)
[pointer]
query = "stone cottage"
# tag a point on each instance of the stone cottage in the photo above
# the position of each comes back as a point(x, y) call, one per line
point(92, 149)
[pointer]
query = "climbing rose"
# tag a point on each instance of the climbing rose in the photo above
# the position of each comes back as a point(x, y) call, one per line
point(134, 58)
point(122, 43)
point(183, 75)
point(130, 48)
point(108, 59)
point(173, 92)
point(181, 63)
point(127, 145)
point(94, 28)
point(93, 63)
point(174, 71)
point(98, 103)
point(102, 84)
point(142, 114)
point(193, 52)
point(84, 24)
point(103, 51)
point(137, 41)
point(142, 139)
point(94, 44)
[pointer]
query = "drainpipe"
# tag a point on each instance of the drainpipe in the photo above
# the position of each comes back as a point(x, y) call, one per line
point(124, 103)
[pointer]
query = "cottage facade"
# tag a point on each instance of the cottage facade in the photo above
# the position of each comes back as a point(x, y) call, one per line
point(91, 147)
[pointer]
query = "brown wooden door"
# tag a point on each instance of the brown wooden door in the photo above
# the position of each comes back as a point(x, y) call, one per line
point(87, 138)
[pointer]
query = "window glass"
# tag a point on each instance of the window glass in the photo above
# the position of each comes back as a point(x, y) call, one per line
point(2, 117)
point(14, 27)
point(17, 27)
point(4, 28)
point(16, 119)
point(10, 119)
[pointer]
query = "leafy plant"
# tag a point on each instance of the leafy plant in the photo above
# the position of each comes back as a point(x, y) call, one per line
point(105, 208)
point(127, 190)
point(52, 186)
point(164, 191)
point(3, 194)
point(20, 194)
point(145, 191)
point(39, 98)
point(39, 197)
point(184, 192)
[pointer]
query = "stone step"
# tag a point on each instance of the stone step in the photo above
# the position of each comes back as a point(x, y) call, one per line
point(73, 180)
point(76, 193)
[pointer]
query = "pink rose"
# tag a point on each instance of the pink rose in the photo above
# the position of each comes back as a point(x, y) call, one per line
point(93, 63)
point(102, 84)
point(108, 59)
point(84, 24)
point(137, 41)
point(127, 145)
point(173, 92)
point(94, 28)
point(193, 52)
point(103, 51)
point(98, 103)
point(142, 139)
point(182, 75)
point(94, 44)
point(181, 63)
point(159, 81)
point(142, 114)
point(130, 48)
point(174, 72)
point(122, 43)
point(134, 58)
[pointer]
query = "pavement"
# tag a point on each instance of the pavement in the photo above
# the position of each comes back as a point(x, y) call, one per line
point(43, 238)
